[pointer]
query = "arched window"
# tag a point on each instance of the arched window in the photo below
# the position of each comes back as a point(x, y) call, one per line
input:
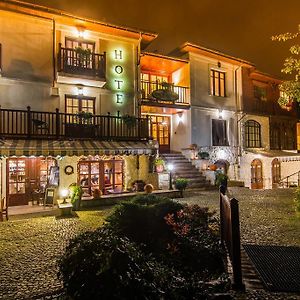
point(252, 134)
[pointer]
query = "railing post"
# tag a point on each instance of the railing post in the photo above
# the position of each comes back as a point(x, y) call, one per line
point(222, 192)
point(236, 246)
point(59, 58)
point(57, 123)
point(149, 128)
point(108, 125)
point(29, 122)
point(298, 178)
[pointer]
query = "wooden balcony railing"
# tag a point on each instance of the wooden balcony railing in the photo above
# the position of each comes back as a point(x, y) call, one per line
point(56, 125)
point(268, 107)
point(92, 64)
point(149, 86)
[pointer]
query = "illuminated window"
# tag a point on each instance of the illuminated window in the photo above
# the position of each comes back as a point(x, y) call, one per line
point(73, 43)
point(75, 104)
point(219, 133)
point(217, 83)
point(103, 175)
point(260, 93)
point(252, 134)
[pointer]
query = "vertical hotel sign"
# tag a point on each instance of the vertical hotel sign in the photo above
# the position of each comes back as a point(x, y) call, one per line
point(119, 70)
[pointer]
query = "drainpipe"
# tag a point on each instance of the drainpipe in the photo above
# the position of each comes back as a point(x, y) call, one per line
point(54, 52)
point(137, 107)
point(237, 120)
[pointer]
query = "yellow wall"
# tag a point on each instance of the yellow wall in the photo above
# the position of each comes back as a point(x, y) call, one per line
point(26, 47)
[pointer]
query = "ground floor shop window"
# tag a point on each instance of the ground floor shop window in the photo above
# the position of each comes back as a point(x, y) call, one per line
point(104, 175)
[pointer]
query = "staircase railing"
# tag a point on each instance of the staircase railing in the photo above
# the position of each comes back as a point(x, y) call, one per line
point(288, 180)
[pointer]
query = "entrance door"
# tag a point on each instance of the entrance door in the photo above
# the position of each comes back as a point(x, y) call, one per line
point(256, 174)
point(161, 132)
point(16, 181)
point(24, 176)
point(275, 172)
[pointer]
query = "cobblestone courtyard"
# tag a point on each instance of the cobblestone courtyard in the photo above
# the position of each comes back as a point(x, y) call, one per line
point(30, 248)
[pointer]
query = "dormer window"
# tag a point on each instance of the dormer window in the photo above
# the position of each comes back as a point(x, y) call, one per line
point(217, 83)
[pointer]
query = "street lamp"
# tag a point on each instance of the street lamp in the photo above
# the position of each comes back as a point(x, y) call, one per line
point(170, 168)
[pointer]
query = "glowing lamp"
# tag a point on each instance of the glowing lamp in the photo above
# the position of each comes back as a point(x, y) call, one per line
point(64, 194)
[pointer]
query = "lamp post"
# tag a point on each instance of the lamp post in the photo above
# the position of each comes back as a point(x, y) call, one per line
point(170, 168)
point(64, 193)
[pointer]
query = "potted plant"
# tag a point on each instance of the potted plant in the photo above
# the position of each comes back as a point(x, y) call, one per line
point(83, 55)
point(203, 155)
point(84, 117)
point(181, 184)
point(76, 194)
point(159, 164)
point(221, 179)
point(130, 121)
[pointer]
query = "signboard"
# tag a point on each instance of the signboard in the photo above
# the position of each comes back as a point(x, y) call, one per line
point(49, 196)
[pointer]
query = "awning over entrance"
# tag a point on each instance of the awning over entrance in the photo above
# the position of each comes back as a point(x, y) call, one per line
point(71, 148)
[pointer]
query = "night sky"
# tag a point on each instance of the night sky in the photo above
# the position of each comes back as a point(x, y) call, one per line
point(241, 28)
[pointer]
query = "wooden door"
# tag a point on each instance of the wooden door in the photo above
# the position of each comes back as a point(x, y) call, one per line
point(256, 174)
point(276, 172)
point(16, 181)
point(161, 132)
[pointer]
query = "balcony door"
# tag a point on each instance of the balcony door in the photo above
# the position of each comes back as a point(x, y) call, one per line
point(80, 57)
point(256, 174)
point(161, 132)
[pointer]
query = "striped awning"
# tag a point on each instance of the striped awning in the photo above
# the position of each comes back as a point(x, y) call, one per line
point(71, 148)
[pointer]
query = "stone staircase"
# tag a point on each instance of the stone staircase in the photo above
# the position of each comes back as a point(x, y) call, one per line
point(183, 168)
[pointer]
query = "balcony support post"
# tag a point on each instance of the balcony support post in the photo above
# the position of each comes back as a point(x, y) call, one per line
point(57, 123)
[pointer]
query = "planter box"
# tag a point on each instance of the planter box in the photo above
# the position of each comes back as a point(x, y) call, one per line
point(80, 130)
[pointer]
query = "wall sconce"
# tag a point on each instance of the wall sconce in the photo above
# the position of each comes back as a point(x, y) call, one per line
point(81, 91)
point(180, 115)
point(81, 33)
point(220, 114)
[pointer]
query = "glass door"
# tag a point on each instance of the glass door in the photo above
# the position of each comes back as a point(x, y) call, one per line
point(16, 192)
point(161, 132)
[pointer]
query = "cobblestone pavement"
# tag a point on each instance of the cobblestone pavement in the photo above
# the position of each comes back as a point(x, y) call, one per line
point(30, 248)
point(266, 217)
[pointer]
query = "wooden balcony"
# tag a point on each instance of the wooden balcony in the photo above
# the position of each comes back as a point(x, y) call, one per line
point(72, 62)
point(175, 95)
point(56, 125)
point(261, 107)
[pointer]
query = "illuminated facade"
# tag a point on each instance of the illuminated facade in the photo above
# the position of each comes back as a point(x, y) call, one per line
point(165, 98)
point(69, 102)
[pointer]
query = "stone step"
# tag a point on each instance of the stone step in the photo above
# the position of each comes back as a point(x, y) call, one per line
point(185, 169)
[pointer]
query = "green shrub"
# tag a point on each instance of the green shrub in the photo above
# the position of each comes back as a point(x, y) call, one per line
point(151, 248)
point(221, 179)
point(102, 265)
point(181, 184)
point(142, 221)
point(203, 155)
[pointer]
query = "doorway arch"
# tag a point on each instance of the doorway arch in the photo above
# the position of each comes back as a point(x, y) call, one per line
point(276, 172)
point(256, 174)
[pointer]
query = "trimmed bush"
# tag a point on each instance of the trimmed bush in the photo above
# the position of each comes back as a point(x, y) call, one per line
point(151, 248)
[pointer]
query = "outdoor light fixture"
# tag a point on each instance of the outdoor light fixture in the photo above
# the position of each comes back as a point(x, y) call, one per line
point(64, 193)
point(221, 114)
point(170, 168)
point(80, 91)
point(180, 115)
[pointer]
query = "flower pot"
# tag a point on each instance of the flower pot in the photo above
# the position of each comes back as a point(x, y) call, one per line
point(159, 168)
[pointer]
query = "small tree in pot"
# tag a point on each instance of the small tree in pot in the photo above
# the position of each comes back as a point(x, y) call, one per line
point(181, 184)
point(76, 194)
